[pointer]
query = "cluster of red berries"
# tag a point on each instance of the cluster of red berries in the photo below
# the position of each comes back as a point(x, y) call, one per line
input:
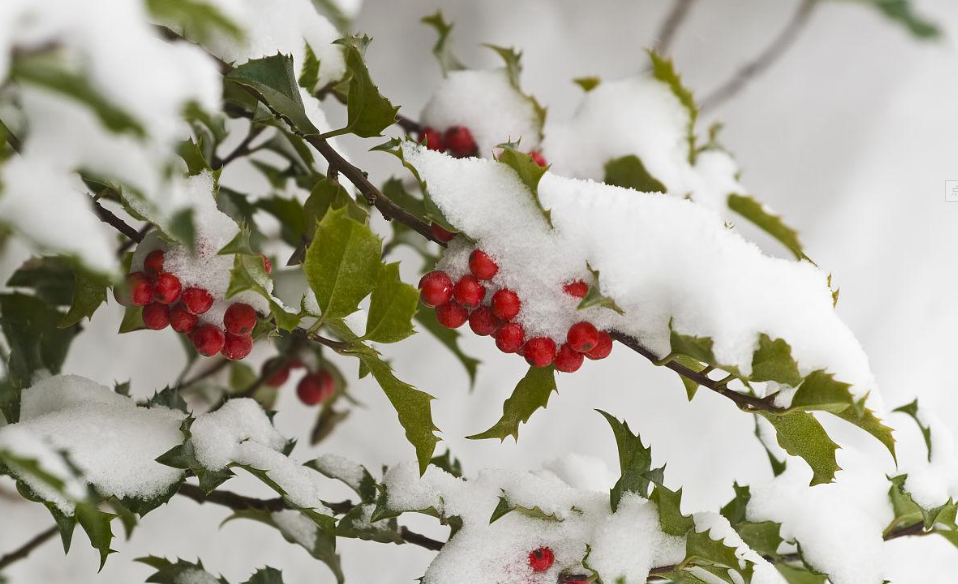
point(166, 303)
point(458, 141)
point(463, 301)
point(313, 389)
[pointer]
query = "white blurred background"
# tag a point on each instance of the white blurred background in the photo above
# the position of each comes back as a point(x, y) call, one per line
point(851, 137)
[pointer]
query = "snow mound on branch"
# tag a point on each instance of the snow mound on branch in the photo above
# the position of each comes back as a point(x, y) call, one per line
point(336, 466)
point(661, 259)
point(296, 526)
point(638, 116)
point(206, 269)
point(719, 529)
point(112, 442)
point(487, 103)
point(489, 553)
point(839, 525)
point(24, 445)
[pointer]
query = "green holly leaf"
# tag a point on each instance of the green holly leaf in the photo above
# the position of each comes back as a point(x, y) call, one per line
point(391, 308)
point(866, 419)
point(734, 510)
point(272, 81)
point(821, 392)
point(326, 195)
point(50, 278)
point(529, 173)
point(594, 296)
point(911, 410)
point(903, 13)
point(447, 60)
point(691, 387)
point(763, 536)
point(168, 572)
point(266, 575)
point(773, 361)
point(289, 213)
point(168, 397)
point(799, 575)
point(505, 507)
point(669, 503)
point(713, 556)
point(354, 524)
point(766, 220)
point(365, 488)
point(127, 518)
point(449, 338)
point(905, 507)
point(342, 264)
point(132, 320)
point(635, 463)
point(197, 20)
point(368, 112)
point(181, 228)
point(96, 524)
point(800, 434)
point(664, 71)
point(629, 172)
point(249, 273)
point(587, 83)
point(698, 348)
point(309, 76)
point(184, 457)
point(532, 393)
point(512, 59)
point(449, 463)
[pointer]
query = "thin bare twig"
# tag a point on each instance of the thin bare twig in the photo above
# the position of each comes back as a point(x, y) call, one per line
point(110, 218)
point(672, 23)
point(24, 550)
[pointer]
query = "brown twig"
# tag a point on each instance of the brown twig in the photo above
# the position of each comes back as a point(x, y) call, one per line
point(242, 149)
point(772, 53)
point(673, 21)
point(24, 550)
point(408, 125)
point(110, 218)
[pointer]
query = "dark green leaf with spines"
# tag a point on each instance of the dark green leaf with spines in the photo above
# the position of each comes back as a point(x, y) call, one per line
point(594, 296)
point(772, 361)
point(368, 111)
point(587, 83)
point(392, 307)
point(664, 71)
point(800, 434)
point(532, 393)
point(669, 504)
point(442, 51)
point(96, 524)
point(635, 462)
point(629, 172)
point(198, 20)
point(750, 208)
point(529, 173)
point(274, 83)
point(911, 409)
point(266, 575)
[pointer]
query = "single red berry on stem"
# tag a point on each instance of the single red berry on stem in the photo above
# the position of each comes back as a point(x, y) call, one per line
point(153, 264)
point(538, 158)
point(240, 318)
point(583, 337)
point(482, 266)
point(267, 265)
point(278, 376)
point(441, 233)
point(452, 314)
point(208, 339)
point(435, 289)
point(459, 142)
point(568, 360)
point(541, 559)
point(602, 348)
point(506, 304)
point(141, 289)
point(579, 289)
point(182, 320)
point(167, 289)
point(432, 139)
point(509, 337)
point(196, 300)
point(539, 351)
point(316, 388)
point(236, 347)
point(469, 292)
point(156, 316)
point(483, 322)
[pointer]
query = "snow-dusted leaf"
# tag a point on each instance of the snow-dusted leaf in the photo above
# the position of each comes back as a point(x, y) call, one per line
point(355, 524)
point(184, 457)
point(168, 397)
point(449, 463)
point(911, 409)
point(392, 307)
point(629, 172)
point(247, 274)
point(168, 572)
point(713, 556)
point(512, 59)
point(800, 434)
point(664, 71)
point(530, 173)
point(594, 296)
point(762, 536)
point(532, 393)
point(799, 575)
point(635, 462)
point(353, 475)
point(443, 52)
point(368, 111)
point(766, 220)
point(772, 361)
point(266, 575)
point(669, 504)
point(505, 507)
point(272, 80)
point(197, 19)
point(698, 348)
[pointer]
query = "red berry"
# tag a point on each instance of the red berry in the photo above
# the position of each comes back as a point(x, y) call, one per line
point(182, 320)
point(435, 289)
point(141, 289)
point(578, 288)
point(483, 322)
point(153, 264)
point(156, 316)
point(432, 139)
point(452, 314)
point(441, 233)
point(509, 337)
point(316, 388)
point(506, 304)
point(239, 319)
point(296, 363)
point(167, 288)
point(481, 265)
point(267, 265)
point(583, 337)
point(539, 351)
point(568, 360)
point(197, 300)
point(208, 339)
point(279, 376)
point(541, 559)
point(235, 347)
point(538, 158)
point(469, 292)
point(459, 142)
point(602, 348)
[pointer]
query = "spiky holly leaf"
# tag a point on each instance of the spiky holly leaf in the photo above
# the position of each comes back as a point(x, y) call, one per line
point(766, 220)
point(778, 466)
point(132, 320)
point(289, 213)
point(594, 296)
point(309, 75)
point(587, 83)
point(431, 211)
point(512, 59)
point(713, 556)
point(450, 338)
point(629, 172)
point(911, 409)
point(799, 575)
point(903, 13)
point(669, 503)
point(198, 20)
point(529, 173)
point(355, 524)
point(905, 506)
point(184, 457)
point(531, 393)
point(249, 273)
point(368, 111)
point(168, 572)
point(772, 361)
point(800, 434)
point(505, 507)
point(342, 263)
point(62, 282)
point(447, 60)
point(635, 462)
point(272, 81)
point(691, 387)
point(664, 71)
point(449, 463)
point(168, 397)
point(866, 419)
point(734, 510)
point(266, 575)
point(698, 348)
point(96, 524)
point(762, 536)
point(365, 487)
point(392, 306)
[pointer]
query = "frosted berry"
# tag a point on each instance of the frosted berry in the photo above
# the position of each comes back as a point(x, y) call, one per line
point(469, 292)
point(452, 315)
point(541, 559)
point(459, 141)
point(506, 304)
point(432, 139)
point(579, 289)
point(538, 158)
point(509, 337)
point(483, 322)
point(141, 289)
point(236, 347)
point(167, 288)
point(267, 265)
point(481, 265)
point(196, 300)
point(435, 289)
point(182, 320)
point(441, 233)
point(153, 264)
point(539, 351)
point(602, 348)
point(208, 339)
point(583, 337)
point(239, 319)
point(278, 376)
point(568, 360)
point(156, 316)
point(316, 388)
